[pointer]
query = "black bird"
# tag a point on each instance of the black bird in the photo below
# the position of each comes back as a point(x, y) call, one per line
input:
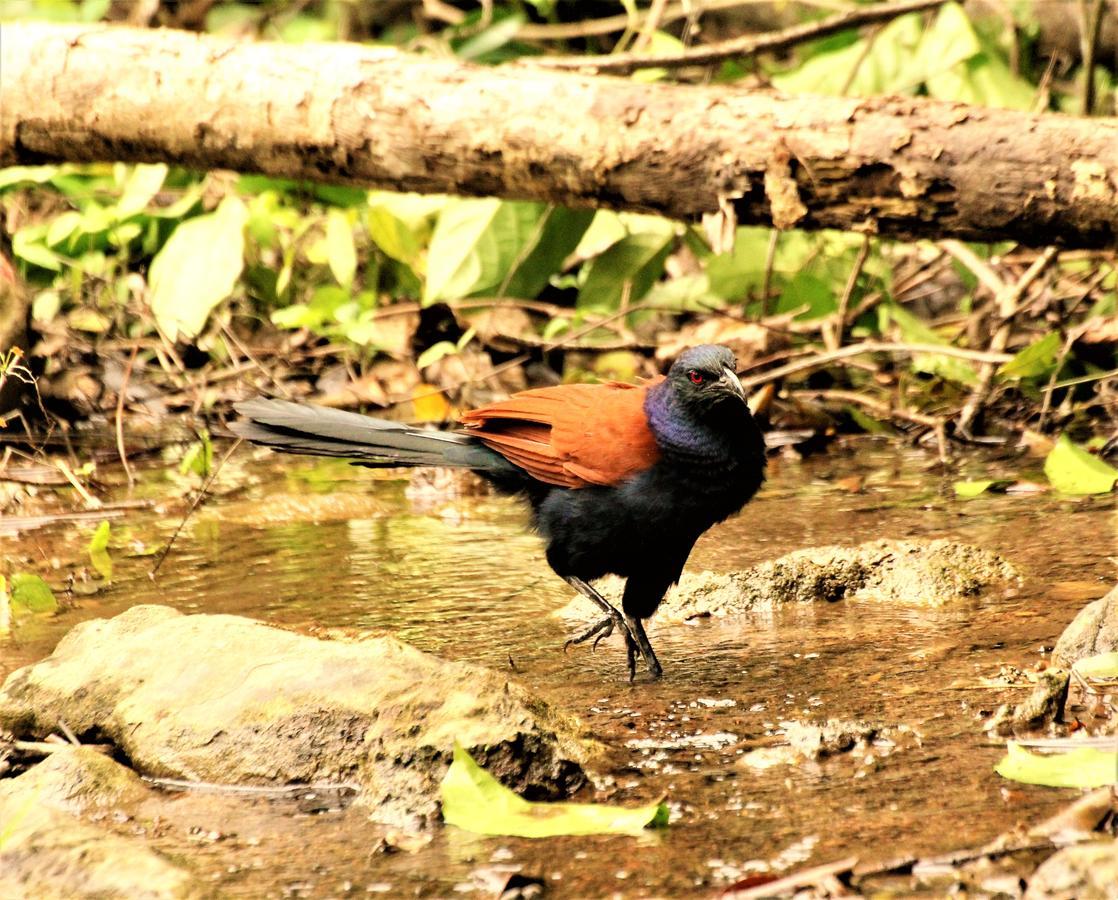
point(621, 478)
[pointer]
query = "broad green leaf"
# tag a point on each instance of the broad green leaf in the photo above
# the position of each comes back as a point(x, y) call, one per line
point(475, 245)
point(983, 80)
point(915, 331)
point(1072, 470)
point(22, 174)
point(198, 268)
point(29, 593)
point(27, 244)
point(474, 800)
point(879, 64)
point(141, 185)
point(393, 235)
point(636, 260)
point(558, 232)
point(1104, 665)
point(1083, 767)
point(340, 252)
point(949, 42)
point(972, 488)
point(740, 271)
point(99, 551)
point(1034, 361)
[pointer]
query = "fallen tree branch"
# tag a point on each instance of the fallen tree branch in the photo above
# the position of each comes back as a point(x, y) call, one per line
point(735, 48)
point(345, 113)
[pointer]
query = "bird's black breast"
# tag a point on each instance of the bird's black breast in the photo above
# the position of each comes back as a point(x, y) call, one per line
point(648, 525)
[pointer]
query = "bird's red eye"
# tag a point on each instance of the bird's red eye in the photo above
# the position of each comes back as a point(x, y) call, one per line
point(695, 377)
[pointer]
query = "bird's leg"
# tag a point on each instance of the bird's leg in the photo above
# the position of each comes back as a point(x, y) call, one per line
point(604, 628)
point(645, 646)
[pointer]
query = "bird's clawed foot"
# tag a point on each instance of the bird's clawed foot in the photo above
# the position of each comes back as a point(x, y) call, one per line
point(602, 629)
point(636, 641)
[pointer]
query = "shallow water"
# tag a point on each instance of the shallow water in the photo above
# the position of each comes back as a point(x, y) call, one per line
point(317, 546)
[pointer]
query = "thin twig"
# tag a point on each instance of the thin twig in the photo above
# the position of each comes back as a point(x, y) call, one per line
point(1089, 27)
point(832, 336)
point(193, 506)
point(121, 394)
point(770, 260)
point(90, 501)
point(822, 359)
point(651, 24)
point(1007, 301)
point(748, 45)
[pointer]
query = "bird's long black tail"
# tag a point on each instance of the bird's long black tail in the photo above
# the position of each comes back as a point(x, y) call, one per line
point(319, 431)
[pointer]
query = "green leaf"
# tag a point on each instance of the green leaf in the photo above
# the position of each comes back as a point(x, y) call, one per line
point(558, 232)
point(972, 488)
point(436, 352)
point(27, 244)
point(1035, 361)
point(1104, 665)
point(29, 593)
point(1084, 767)
point(198, 268)
point(636, 260)
point(476, 244)
point(340, 252)
point(1072, 470)
point(22, 174)
point(199, 456)
point(99, 551)
point(474, 800)
point(879, 64)
point(141, 185)
point(915, 331)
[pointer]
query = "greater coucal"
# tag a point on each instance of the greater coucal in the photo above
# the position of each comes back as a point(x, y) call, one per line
point(621, 478)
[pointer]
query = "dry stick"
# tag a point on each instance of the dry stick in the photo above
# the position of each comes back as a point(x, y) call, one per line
point(562, 31)
point(193, 506)
point(770, 260)
point(748, 45)
point(832, 336)
point(1046, 403)
point(1089, 27)
point(982, 270)
point(121, 394)
point(1007, 300)
point(651, 23)
point(887, 410)
point(822, 359)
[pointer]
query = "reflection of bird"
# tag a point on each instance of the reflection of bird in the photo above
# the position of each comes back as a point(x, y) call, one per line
point(622, 478)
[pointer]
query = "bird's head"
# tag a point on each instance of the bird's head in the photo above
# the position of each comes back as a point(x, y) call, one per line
point(706, 376)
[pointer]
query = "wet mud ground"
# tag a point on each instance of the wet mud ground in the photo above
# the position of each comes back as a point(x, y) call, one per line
point(324, 546)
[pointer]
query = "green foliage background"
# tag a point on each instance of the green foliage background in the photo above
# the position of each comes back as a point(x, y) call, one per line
point(138, 251)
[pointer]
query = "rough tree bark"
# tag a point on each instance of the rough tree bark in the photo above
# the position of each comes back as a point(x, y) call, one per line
point(902, 167)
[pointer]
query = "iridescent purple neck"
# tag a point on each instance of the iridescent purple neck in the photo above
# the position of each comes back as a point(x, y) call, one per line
point(678, 433)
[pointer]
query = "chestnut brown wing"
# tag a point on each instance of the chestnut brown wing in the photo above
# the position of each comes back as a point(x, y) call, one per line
point(571, 435)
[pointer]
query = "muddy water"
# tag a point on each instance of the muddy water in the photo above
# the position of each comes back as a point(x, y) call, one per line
point(324, 546)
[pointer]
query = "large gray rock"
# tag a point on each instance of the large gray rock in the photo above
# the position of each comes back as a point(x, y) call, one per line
point(224, 699)
point(913, 573)
point(1083, 872)
point(45, 852)
point(1093, 631)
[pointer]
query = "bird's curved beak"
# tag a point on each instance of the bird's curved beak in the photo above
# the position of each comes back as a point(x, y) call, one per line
point(731, 384)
